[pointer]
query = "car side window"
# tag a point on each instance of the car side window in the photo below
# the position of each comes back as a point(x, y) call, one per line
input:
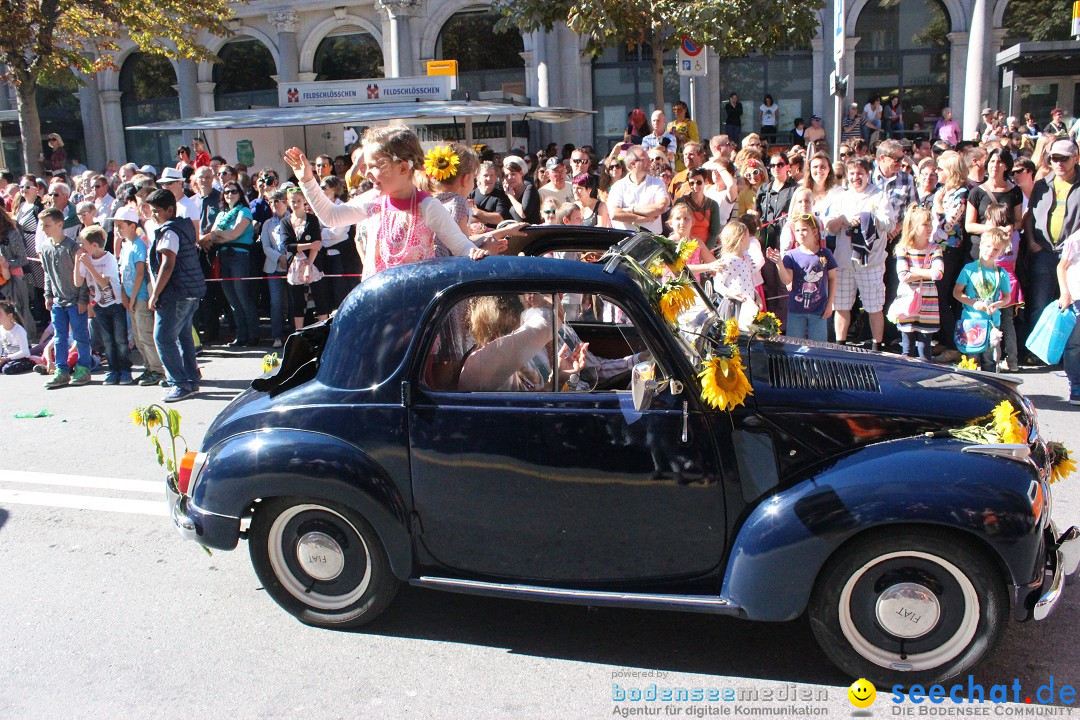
point(532, 342)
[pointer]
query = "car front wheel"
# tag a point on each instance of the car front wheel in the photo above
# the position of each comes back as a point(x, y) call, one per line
point(321, 562)
point(906, 607)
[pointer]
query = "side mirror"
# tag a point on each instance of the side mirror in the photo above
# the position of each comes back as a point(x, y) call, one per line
point(644, 385)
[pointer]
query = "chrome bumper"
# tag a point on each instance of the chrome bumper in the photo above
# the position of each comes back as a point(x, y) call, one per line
point(178, 512)
point(1062, 560)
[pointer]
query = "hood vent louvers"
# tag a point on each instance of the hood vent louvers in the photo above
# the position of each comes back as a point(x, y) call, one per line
point(818, 344)
point(801, 373)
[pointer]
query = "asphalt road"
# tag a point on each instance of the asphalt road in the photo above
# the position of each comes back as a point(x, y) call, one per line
point(105, 612)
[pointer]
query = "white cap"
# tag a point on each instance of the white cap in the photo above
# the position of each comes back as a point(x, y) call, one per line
point(148, 170)
point(170, 175)
point(127, 213)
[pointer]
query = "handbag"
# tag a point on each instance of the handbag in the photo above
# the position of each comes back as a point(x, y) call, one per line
point(302, 272)
point(972, 335)
point(905, 307)
point(1051, 332)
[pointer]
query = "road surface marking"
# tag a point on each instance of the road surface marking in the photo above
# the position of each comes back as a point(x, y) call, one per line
point(84, 502)
point(81, 501)
point(157, 487)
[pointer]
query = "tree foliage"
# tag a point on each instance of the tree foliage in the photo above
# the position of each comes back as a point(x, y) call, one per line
point(1037, 20)
point(730, 28)
point(44, 39)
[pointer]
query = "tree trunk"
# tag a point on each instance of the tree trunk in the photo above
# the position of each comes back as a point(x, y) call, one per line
point(657, 42)
point(29, 125)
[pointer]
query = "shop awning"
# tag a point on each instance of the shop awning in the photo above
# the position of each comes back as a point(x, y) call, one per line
point(429, 112)
point(1042, 59)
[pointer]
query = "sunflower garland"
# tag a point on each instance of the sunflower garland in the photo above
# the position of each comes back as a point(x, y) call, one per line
point(723, 382)
point(967, 363)
point(765, 323)
point(1000, 426)
point(441, 163)
point(674, 296)
point(731, 332)
point(1061, 463)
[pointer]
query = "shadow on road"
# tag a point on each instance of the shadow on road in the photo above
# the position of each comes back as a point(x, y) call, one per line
point(3, 517)
point(1051, 402)
point(670, 641)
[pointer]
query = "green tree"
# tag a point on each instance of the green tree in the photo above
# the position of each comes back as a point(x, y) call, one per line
point(42, 40)
point(1037, 20)
point(730, 28)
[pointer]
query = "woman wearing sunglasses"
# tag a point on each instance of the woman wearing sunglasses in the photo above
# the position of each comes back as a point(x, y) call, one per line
point(234, 231)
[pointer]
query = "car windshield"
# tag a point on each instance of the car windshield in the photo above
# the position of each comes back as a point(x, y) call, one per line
point(698, 324)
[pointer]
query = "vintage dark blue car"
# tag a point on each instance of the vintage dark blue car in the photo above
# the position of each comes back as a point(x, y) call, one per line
point(447, 429)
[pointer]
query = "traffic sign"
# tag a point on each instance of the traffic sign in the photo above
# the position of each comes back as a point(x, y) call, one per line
point(838, 30)
point(693, 58)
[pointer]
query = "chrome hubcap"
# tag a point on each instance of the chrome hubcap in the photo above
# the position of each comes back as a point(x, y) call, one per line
point(320, 556)
point(908, 610)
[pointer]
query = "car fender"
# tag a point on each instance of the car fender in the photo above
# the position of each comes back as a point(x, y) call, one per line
point(287, 462)
point(787, 538)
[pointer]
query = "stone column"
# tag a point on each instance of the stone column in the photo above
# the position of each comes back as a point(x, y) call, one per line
point(206, 97)
point(5, 99)
point(286, 23)
point(975, 80)
point(993, 90)
point(187, 87)
point(958, 51)
point(93, 130)
point(540, 58)
point(400, 13)
point(819, 92)
point(112, 121)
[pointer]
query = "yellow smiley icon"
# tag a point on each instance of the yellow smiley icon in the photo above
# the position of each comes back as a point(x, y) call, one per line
point(862, 693)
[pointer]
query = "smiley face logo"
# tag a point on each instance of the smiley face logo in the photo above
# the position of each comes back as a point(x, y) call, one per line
point(862, 693)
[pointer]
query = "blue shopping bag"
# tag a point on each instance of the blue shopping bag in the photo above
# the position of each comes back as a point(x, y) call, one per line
point(1048, 337)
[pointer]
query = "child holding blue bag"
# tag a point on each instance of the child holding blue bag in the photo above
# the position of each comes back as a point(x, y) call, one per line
point(983, 289)
point(1068, 273)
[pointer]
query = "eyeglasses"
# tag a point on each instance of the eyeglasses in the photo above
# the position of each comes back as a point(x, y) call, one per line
point(55, 194)
point(28, 187)
point(777, 165)
point(230, 192)
point(695, 183)
point(100, 185)
point(223, 173)
point(615, 167)
point(548, 212)
point(804, 216)
point(1061, 158)
point(845, 154)
point(1019, 171)
point(578, 161)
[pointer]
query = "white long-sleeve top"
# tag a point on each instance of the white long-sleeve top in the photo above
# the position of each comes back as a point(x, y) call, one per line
point(366, 212)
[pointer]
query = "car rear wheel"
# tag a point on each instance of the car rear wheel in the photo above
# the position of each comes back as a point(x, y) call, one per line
point(321, 562)
point(908, 607)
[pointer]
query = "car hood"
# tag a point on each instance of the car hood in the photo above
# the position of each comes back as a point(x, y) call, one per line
point(830, 398)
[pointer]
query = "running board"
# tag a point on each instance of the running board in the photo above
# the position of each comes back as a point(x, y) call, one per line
point(651, 601)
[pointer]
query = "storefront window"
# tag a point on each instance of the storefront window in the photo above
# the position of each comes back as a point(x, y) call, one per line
point(347, 53)
point(788, 76)
point(244, 76)
point(148, 95)
point(487, 60)
point(904, 51)
point(622, 81)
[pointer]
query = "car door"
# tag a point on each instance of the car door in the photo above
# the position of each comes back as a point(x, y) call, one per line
point(562, 484)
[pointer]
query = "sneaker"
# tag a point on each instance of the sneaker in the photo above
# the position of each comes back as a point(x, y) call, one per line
point(177, 393)
point(277, 343)
point(111, 378)
point(81, 376)
point(163, 382)
point(145, 374)
point(1074, 397)
point(59, 379)
point(126, 379)
point(41, 369)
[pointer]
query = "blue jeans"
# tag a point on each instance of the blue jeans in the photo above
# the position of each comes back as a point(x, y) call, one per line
point(1042, 285)
point(807, 325)
point(240, 293)
point(110, 324)
point(280, 305)
point(172, 338)
point(1071, 357)
point(67, 320)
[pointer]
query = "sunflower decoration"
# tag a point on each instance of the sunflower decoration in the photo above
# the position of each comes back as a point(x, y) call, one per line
point(441, 163)
point(270, 362)
point(1002, 425)
point(723, 381)
point(684, 251)
point(765, 323)
point(731, 332)
point(674, 296)
point(967, 363)
point(1061, 464)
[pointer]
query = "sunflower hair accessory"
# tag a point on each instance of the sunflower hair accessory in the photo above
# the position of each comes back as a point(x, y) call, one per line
point(441, 163)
